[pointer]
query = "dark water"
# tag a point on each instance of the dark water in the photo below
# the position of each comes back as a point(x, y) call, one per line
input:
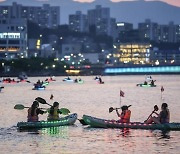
point(92, 99)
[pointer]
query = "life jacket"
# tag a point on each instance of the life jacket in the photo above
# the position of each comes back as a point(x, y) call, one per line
point(34, 117)
point(54, 116)
point(126, 117)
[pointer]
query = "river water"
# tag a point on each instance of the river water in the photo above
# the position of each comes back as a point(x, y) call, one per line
point(92, 99)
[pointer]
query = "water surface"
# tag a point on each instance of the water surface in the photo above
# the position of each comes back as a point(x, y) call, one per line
point(92, 99)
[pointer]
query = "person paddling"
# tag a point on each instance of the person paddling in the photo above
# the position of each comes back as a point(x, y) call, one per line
point(125, 114)
point(54, 112)
point(34, 111)
point(162, 118)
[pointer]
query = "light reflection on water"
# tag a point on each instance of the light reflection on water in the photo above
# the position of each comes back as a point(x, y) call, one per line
point(92, 99)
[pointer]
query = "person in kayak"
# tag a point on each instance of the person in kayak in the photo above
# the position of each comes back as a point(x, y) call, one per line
point(125, 114)
point(33, 112)
point(54, 112)
point(162, 118)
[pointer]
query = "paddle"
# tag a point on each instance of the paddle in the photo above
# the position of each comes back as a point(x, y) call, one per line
point(64, 111)
point(21, 107)
point(155, 109)
point(42, 101)
point(112, 109)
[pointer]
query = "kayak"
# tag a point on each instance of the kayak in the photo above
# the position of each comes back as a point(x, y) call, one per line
point(100, 82)
point(68, 80)
point(145, 85)
point(79, 81)
point(64, 121)
point(39, 88)
point(103, 123)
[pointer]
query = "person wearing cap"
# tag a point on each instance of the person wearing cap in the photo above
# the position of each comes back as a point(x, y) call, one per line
point(125, 114)
point(34, 111)
point(162, 118)
point(54, 112)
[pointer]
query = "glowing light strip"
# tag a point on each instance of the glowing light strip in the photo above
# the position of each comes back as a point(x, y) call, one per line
point(160, 69)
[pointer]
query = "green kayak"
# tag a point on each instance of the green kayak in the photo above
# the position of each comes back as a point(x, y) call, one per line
point(145, 85)
point(102, 123)
point(68, 120)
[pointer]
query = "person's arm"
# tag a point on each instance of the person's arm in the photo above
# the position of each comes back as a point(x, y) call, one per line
point(39, 111)
point(168, 116)
point(118, 113)
point(156, 113)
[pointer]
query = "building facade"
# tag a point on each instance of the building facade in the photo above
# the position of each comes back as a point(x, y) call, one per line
point(13, 38)
point(132, 53)
point(44, 16)
point(78, 22)
point(100, 17)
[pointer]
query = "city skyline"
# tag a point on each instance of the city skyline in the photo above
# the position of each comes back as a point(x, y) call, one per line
point(171, 2)
point(139, 10)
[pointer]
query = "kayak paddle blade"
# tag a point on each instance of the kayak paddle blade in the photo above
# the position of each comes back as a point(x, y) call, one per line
point(64, 111)
point(156, 108)
point(111, 109)
point(19, 107)
point(41, 100)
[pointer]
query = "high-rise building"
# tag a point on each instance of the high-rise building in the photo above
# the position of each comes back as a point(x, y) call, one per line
point(13, 38)
point(177, 33)
point(100, 17)
point(45, 16)
point(148, 30)
point(78, 22)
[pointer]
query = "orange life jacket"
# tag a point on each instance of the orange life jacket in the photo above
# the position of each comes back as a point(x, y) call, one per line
point(34, 117)
point(126, 117)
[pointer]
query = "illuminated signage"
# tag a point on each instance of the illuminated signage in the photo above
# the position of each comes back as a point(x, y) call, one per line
point(10, 35)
